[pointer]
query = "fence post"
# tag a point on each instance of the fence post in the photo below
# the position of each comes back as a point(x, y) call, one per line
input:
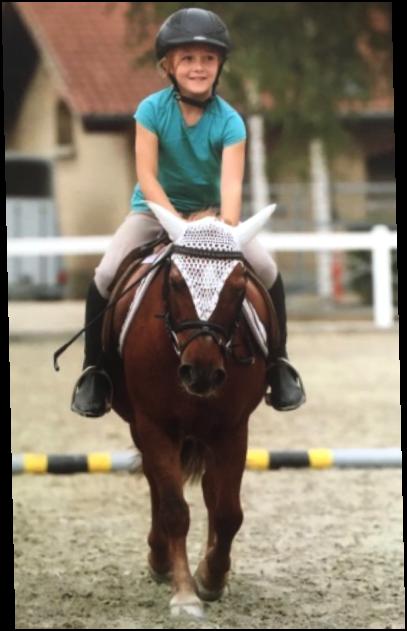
point(321, 205)
point(382, 278)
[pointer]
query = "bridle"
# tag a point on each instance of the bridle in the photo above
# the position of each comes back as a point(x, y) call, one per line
point(222, 336)
point(219, 334)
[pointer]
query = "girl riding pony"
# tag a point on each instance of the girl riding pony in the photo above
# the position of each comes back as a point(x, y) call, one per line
point(190, 158)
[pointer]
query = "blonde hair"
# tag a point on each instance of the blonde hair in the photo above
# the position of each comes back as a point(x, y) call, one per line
point(162, 71)
point(165, 65)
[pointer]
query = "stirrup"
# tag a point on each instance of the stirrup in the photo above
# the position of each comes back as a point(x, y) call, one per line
point(99, 405)
point(270, 400)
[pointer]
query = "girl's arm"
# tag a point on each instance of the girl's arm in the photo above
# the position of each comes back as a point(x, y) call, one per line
point(147, 168)
point(231, 184)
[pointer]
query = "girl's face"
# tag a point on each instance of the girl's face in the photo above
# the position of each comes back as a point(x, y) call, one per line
point(195, 68)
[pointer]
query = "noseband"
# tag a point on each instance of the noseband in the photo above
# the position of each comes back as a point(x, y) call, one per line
point(220, 335)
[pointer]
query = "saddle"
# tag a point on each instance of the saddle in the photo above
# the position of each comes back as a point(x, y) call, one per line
point(271, 321)
point(127, 267)
point(133, 262)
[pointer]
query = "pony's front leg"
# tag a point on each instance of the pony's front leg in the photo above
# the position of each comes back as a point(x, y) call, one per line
point(159, 561)
point(221, 485)
point(162, 466)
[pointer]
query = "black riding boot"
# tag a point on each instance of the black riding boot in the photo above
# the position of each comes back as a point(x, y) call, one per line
point(93, 392)
point(287, 391)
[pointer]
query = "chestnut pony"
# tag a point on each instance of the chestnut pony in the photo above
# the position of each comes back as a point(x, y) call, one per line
point(187, 387)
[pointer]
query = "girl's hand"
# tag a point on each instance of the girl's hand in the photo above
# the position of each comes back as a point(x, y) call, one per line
point(201, 214)
point(228, 222)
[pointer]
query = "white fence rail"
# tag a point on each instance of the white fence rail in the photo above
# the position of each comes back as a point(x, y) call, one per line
point(380, 241)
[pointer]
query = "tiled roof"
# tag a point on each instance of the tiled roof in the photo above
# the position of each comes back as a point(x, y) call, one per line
point(87, 46)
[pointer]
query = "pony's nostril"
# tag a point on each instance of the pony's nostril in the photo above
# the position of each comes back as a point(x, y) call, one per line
point(185, 372)
point(218, 377)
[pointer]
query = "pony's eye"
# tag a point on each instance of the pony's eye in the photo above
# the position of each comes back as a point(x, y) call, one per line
point(177, 281)
point(239, 288)
point(177, 284)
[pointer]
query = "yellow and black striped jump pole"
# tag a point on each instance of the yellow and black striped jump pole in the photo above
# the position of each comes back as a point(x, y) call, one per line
point(323, 458)
point(257, 459)
point(95, 462)
point(260, 459)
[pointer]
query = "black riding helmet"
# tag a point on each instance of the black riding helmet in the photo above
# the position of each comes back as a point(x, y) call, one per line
point(189, 26)
point(193, 26)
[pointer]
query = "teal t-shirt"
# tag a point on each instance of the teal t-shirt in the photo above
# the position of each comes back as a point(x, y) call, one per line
point(189, 162)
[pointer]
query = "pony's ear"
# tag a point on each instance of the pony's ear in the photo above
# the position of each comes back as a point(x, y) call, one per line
point(247, 230)
point(175, 226)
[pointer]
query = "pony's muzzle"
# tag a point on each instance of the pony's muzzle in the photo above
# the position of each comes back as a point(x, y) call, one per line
point(200, 380)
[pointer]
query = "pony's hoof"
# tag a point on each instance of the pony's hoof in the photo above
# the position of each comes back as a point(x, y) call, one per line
point(206, 594)
point(186, 604)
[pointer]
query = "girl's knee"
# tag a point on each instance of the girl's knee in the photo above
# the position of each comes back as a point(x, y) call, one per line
point(265, 268)
point(102, 282)
point(270, 273)
point(267, 275)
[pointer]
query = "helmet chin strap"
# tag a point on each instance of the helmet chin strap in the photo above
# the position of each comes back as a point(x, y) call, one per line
point(185, 99)
point(195, 102)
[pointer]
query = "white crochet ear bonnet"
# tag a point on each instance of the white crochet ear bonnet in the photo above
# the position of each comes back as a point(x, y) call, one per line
point(206, 277)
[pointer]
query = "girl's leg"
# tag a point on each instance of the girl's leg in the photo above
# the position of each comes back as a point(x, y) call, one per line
point(136, 229)
point(92, 395)
point(93, 391)
point(287, 392)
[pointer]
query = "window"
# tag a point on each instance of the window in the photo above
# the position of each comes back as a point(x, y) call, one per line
point(65, 136)
point(28, 177)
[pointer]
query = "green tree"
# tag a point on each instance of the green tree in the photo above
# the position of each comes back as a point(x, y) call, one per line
point(306, 55)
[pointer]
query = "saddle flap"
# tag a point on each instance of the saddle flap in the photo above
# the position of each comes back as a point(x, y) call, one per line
point(132, 264)
point(141, 290)
point(261, 312)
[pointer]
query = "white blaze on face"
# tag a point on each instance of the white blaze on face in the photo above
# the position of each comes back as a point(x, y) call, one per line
point(205, 277)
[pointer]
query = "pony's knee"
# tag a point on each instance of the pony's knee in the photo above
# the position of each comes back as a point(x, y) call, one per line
point(157, 540)
point(174, 515)
point(227, 523)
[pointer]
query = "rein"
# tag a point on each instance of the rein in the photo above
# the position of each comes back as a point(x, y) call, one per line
point(202, 327)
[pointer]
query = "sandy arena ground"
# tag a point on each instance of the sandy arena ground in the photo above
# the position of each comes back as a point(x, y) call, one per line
point(317, 549)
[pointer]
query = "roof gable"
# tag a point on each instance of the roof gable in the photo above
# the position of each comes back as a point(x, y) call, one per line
point(87, 46)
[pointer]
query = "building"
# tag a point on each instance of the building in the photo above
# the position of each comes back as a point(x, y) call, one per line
point(71, 87)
